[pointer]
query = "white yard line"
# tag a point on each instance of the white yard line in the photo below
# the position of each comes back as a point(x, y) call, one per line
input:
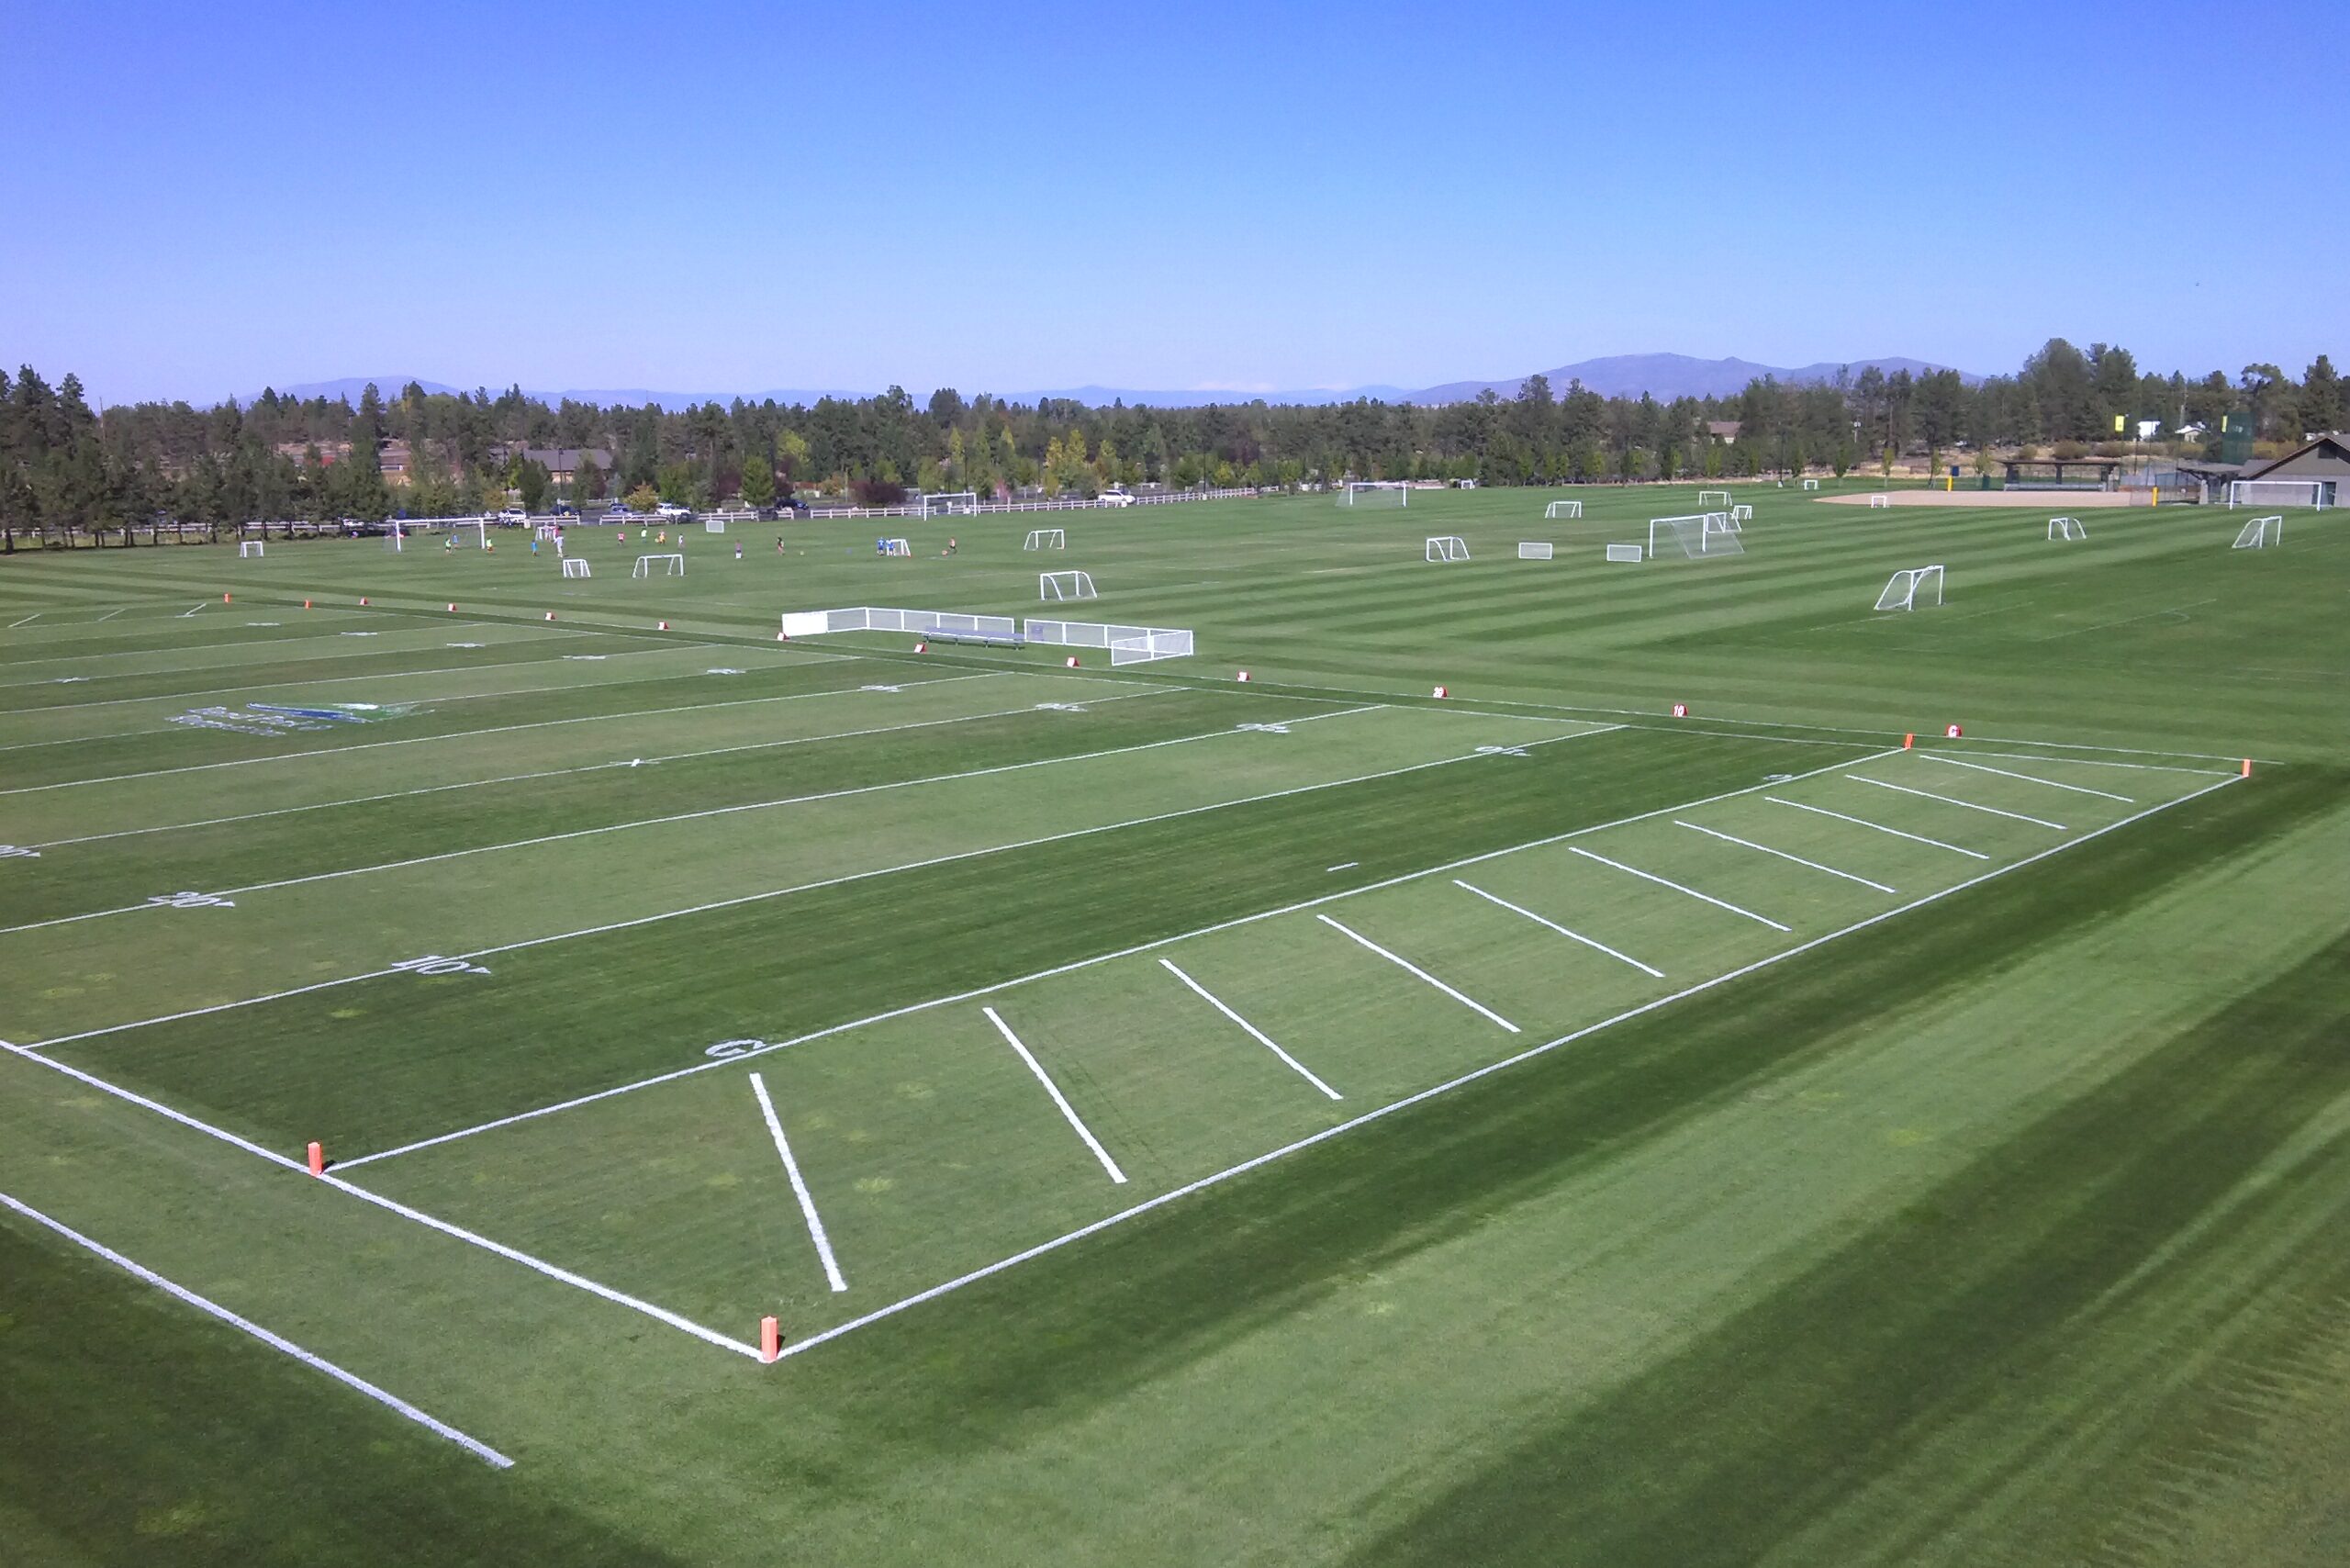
point(186, 613)
point(26, 622)
point(144, 1104)
point(1326, 1134)
point(1410, 968)
point(2090, 761)
point(1571, 935)
point(1796, 859)
point(2006, 773)
point(1676, 887)
point(1068, 1112)
point(1864, 822)
point(278, 1342)
point(1251, 1030)
point(656, 1079)
point(799, 1186)
point(1954, 800)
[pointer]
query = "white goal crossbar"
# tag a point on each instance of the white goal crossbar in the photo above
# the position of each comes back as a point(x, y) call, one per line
point(1739, 513)
point(1046, 538)
point(644, 566)
point(1375, 493)
point(1127, 644)
point(1534, 550)
point(1563, 509)
point(1880, 500)
point(1448, 547)
point(1629, 553)
point(897, 547)
point(1701, 535)
point(949, 503)
point(1812, 483)
point(249, 547)
point(575, 566)
point(1065, 585)
point(2066, 528)
point(2262, 532)
point(2277, 493)
point(1721, 496)
point(480, 525)
point(1909, 587)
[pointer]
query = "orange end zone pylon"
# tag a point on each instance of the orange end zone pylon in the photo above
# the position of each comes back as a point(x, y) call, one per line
point(771, 1339)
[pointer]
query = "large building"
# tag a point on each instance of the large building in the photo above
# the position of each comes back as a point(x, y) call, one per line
point(2324, 458)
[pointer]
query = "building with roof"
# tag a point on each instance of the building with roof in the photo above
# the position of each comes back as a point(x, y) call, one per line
point(2324, 459)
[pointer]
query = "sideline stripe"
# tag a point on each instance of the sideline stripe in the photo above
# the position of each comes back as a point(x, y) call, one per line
point(1662, 882)
point(1954, 800)
point(1864, 822)
point(1326, 1134)
point(656, 1079)
point(1250, 1029)
point(1406, 964)
point(1797, 859)
point(799, 1187)
point(2029, 778)
point(1571, 935)
point(1068, 1112)
point(391, 1402)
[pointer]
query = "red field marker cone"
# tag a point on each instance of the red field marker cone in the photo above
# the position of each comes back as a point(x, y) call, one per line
point(1909, 740)
point(1681, 709)
point(921, 647)
point(1242, 676)
point(363, 601)
point(550, 614)
point(453, 610)
point(1442, 691)
point(1072, 661)
point(318, 1160)
point(306, 604)
point(771, 1339)
point(2247, 768)
point(665, 626)
point(224, 599)
point(1953, 732)
point(783, 636)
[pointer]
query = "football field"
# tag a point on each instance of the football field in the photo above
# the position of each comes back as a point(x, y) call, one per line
point(1567, 1061)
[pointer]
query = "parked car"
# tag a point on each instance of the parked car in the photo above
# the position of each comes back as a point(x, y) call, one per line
point(671, 509)
point(512, 517)
point(1114, 499)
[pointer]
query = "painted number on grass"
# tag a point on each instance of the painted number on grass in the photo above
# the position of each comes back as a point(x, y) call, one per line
point(190, 901)
point(1060, 708)
point(434, 964)
point(1265, 729)
point(725, 1049)
point(1501, 751)
point(18, 852)
point(880, 688)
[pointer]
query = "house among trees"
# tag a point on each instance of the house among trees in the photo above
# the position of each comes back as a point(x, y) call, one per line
point(1723, 431)
point(562, 462)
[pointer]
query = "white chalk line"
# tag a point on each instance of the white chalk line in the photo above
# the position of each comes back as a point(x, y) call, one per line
point(1251, 1030)
point(799, 1186)
point(2008, 773)
point(294, 645)
point(1325, 1134)
point(278, 1342)
point(1571, 935)
point(1954, 800)
point(1864, 822)
point(704, 815)
point(674, 1074)
point(1068, 1112)
point(1410, 968)
point(1795, 859)
point(593, 767)
point(2083, 761)
point(1676, 887)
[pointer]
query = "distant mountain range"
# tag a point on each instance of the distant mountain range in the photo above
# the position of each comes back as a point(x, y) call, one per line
point(1663, 376)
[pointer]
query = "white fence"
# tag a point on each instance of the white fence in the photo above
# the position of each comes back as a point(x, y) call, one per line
point(941, 622)
point(1127, 644)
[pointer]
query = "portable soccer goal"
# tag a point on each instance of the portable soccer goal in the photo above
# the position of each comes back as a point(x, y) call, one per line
point(1721, 496)
point(480, 525)
point(2277, 493)
point(248, 547)
point(2262, 532)
point(547, 530)
point(949, 503)
point(2066, 528)
point(1065, 585)
point(1909, 588)
point(713, 525)
point(677, 565)
point(1812, 483)
point(1563, 509)
point(1046, 538)
point(1700, 535)
point(896, 547)
point(1742, 512)
point(1375, 493)
point(1880, 501)
point(574, 567)
point(1448, 547)
point(1534, 550)
point(1631, 554)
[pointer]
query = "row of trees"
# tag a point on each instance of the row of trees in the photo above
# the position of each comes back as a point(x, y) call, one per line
point(63, 466)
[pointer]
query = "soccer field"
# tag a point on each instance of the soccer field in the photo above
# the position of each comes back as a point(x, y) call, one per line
point(1172, 1118)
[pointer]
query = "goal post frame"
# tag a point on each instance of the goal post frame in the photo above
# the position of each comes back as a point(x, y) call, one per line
point(1903, 588)
point(1446, 547)
point(2310, 493)
point(1046, 538)
point(1066, 585)
point(1395, 487)
point(2261, 532)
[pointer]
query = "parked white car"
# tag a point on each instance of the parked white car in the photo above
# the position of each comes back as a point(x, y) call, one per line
point(1114, 499)
point(671, 509)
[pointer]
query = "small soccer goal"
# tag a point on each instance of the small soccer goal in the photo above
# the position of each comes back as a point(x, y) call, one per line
point(248, 547)
point(2277, 493)
point(1563, 509)
point(2066, 528)
point(1375, 493)
point(1812, 483)
point(676, 565)
point(547, 530)
point(713, 525)
point(1046, 538)
point(1910, 589)
point(1534, 550)
point(1448, 547)
point(1629, 553)
point(1706, 495)
point(480, 525)
point(2261, 532)
point(1876, 502)
point(895, 547)
point(573, 566)
point(1739, 513)
point(1700, 535)
point(1065, 585)
point(949, 503)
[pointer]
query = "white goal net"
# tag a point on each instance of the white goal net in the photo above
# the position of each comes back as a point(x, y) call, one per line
point(1626, 552)
point(1880, 500)
point(895, 547)
point(2262, 532)
point(1812, 483)
point(573, 566)
point(2066, 528)
point(1563, 509)
point(1448, 547)
point(1910, 589)
point(1722, 497)
point(249, 547)
point(1065, 585)
point(673, 566)
point(1046, 538)
point(1375, 493)
point(1700, 535)
point(950, 502)
point(1534, 550)
point(2277, 493)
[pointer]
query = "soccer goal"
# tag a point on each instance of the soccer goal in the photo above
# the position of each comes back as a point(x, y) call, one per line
point(1375, 493)
point(1909, 588)
point(1701, 535)
point(1534, 550)
point(1065, 585)
point(1563, 509)
point(946, 503)
point(713, 525)
point(248, 547)
point(1739, 513)
point(546, 531)
point(1880, 501)
point(1448, 547)
point(2066, 528)
point(896, 547)
point(1812, 483)
point(1626, 552)
point(574, 567)
point(480, 525)
point(1721, 496)
point(2276, 493)
point(2261, 532)
point(677, 565)
point(1046, 538)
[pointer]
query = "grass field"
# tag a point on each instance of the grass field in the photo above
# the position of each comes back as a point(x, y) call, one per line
point(1174, 1119)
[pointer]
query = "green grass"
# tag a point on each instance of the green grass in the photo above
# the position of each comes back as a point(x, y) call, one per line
point(1971, 1205)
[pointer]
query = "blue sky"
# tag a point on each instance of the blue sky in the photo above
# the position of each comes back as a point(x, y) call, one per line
point(201, 200)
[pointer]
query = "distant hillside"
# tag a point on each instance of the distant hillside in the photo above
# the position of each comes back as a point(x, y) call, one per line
point(1665, 377)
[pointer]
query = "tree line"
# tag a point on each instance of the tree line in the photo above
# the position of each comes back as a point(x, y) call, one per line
point(66, 467)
